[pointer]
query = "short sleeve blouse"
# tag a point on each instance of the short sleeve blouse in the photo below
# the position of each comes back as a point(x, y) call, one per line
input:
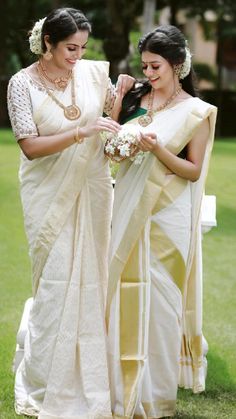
point(20, 108)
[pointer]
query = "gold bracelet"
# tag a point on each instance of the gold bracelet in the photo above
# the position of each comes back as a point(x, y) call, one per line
point(77, 138)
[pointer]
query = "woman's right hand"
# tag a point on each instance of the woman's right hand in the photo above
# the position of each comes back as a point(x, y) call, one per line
point(100, 124)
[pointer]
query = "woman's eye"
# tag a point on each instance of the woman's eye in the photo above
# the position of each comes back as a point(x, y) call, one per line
point(71, 49)
point(153, 67)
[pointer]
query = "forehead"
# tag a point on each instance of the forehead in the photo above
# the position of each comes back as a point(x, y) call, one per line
point(78, 38)
point(150, 57)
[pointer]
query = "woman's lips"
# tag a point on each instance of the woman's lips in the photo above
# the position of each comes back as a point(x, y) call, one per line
point(153, 80)
point(73, 62)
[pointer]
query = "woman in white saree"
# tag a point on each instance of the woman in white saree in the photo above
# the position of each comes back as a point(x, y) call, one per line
point(55, 106)
point(154, 312)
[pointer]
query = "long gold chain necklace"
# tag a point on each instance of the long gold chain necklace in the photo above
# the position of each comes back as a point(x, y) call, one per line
point(146, 119)
point(60, 82)
point(71, 112)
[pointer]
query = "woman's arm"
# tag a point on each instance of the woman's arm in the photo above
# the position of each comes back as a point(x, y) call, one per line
point(26, 131)
point(123, 85)
point(191, 167)
point(41, 146)
point(117, 106)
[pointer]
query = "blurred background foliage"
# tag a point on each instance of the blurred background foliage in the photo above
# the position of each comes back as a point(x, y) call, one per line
point(117, 26)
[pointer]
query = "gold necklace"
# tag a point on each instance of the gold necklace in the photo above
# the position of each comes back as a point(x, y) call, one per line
point(146, 119)
point(60, 82)
point(71, 112)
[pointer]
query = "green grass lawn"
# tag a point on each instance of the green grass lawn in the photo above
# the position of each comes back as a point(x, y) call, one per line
point(219, 284)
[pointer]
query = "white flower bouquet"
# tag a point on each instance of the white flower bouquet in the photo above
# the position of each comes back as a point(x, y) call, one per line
point(123, 144)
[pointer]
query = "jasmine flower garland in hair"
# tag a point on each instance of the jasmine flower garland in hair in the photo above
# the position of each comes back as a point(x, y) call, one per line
point(186, 66)
point(35, 39)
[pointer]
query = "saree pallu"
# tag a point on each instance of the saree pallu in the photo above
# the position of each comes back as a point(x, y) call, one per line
point(154, 292)
point(67, 199)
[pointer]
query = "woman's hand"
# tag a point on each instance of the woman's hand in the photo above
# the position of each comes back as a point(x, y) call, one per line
point(189, 168)
point(100, 124)
point(148, 142)
point(124, 84)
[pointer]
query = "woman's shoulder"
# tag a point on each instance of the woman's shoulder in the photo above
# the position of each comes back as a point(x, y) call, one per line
point(17, 86)
point(197, 106)
point(202, 107)
point(18, 77)
point(97, 69)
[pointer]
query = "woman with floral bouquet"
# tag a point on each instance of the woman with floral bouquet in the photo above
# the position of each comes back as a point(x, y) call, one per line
point(55, 106)
point(154, 312)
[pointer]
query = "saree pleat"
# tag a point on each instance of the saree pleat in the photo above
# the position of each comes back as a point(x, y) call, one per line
point(153, 254)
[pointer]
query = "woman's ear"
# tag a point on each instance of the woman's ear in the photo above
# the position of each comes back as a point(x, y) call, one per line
point(47, 42)
point(47, 55)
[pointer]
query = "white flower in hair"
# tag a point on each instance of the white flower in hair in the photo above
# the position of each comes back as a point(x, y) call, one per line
point(186, 66)
point(35, 39)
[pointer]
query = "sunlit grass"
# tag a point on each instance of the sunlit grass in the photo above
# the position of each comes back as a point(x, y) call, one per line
point(219, 250)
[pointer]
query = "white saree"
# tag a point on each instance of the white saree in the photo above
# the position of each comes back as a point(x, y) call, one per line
point(67, 199)
point(154, 292)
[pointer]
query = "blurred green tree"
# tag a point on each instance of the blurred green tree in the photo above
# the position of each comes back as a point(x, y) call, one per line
point(112, 21)
point(18, 17)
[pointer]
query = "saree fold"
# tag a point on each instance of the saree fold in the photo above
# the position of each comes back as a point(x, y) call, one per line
point(67, 199)
point(154, 292)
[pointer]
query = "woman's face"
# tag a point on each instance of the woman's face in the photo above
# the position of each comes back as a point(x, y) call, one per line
point(67, 52)
point(157, 69)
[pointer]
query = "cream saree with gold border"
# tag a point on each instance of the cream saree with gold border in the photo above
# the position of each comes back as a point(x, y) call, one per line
point(67, 199)
point(154, 292)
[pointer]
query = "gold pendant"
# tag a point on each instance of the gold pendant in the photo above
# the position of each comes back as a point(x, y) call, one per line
point(145, 120)
point(61, 83)
point(72, 112)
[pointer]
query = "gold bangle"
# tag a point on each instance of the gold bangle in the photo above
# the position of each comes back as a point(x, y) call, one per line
point(77, 138)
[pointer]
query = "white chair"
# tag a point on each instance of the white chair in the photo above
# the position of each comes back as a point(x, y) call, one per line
point(208, 213)
point(20, 337)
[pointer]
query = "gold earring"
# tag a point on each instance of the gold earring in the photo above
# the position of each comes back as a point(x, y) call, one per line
point(177, 69)
point(48, 55)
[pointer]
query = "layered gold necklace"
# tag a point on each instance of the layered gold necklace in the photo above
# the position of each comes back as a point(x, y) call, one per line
point(146, 119)
point(59, 82)
point(72, 111)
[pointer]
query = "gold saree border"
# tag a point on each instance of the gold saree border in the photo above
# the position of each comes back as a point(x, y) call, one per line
point(134, 294)
point(169, 256)
point(153, 409)
point(167, 252)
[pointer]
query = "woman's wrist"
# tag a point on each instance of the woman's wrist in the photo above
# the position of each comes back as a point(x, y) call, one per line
point(157, 147)
point(79, 135)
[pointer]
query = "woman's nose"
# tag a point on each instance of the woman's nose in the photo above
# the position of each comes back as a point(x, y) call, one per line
point(149, 70)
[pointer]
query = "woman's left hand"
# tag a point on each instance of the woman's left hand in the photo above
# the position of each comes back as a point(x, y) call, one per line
point(148, 142)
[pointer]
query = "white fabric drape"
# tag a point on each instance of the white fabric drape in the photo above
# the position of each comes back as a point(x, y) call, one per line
point(67, 200)
point(154, 294)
